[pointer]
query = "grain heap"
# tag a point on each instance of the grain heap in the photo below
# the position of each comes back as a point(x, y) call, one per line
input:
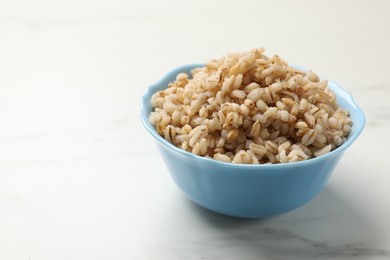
point(251, 109)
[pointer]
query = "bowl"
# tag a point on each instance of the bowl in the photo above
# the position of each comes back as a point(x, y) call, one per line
point(249, 191)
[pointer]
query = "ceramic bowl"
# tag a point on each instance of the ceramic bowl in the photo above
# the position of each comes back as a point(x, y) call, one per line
point(248, 191)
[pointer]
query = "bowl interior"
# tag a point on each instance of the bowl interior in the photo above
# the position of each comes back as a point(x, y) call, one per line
point(343, 99)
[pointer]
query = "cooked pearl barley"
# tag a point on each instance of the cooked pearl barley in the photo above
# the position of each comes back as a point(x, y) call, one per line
point(222, 157)
point(324, 150)
point(248, 108)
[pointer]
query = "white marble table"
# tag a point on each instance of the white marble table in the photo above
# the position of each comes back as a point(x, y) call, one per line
point(81, 179)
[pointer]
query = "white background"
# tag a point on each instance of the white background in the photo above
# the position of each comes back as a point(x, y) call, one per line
point(81, 179)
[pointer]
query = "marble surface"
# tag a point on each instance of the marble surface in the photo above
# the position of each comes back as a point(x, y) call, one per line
point(81, 179)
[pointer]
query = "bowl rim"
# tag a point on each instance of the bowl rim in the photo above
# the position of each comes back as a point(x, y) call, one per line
point(336, 88)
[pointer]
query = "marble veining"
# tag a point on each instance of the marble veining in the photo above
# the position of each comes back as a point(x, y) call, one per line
point(273, 244)
point(272, 241)
point(81, 179)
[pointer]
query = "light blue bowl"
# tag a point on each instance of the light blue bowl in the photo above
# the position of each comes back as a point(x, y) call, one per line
point(249, 191)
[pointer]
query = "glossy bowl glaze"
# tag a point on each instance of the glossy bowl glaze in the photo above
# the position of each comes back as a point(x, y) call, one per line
point(249, 191)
